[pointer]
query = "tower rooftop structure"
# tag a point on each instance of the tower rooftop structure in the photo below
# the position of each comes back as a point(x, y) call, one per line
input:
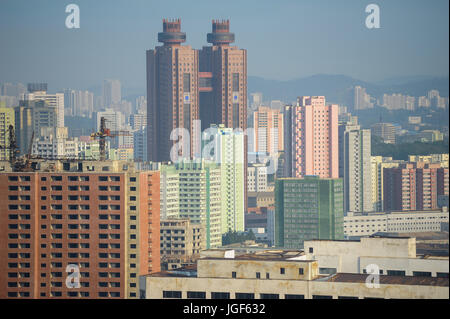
point(220, 34)
point(172, 34)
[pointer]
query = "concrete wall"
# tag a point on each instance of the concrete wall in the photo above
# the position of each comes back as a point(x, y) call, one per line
point(154, 287)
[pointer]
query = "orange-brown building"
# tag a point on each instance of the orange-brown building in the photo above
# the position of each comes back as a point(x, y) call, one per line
point(172, 90)
point(223, 79)
point(414, 186)
point(102, 217)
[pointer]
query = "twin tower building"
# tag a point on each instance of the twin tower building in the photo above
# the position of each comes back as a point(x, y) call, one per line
point(185, 85)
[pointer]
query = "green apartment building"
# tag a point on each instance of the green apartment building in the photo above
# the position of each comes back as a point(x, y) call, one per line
point(308, 208)
point(198, 198)
point(229, 153)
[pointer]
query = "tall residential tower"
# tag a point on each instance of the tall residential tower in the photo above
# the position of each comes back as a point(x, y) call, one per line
point(172, 90)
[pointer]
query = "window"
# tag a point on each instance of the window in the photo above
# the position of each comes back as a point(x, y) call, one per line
point(311, 250)
point(322, 297)
point(233, 274)
point(396, 273)
point(327, 271)
point(171, 294)
point(267, 275)
point(269, 296)
point(282, 271)
point(300, 271)
point(220, 295)
point(294, 296)
point(240, 295)
point(421, 274)
point(258, 275)
point(196, 295)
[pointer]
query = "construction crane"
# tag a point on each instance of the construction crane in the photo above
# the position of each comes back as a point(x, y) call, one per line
point(18, 164)
point(12, 146)
point(102, 134)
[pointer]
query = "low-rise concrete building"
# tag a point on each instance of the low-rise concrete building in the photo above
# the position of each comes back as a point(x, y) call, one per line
point(181, 242)
point(364, 224)
point(391, 255)
point(279, 274)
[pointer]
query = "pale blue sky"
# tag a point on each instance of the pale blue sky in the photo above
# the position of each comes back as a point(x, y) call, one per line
point(285, 39)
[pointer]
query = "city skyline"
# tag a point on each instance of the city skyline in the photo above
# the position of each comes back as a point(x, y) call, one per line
point(157, 151)
point(103, 48)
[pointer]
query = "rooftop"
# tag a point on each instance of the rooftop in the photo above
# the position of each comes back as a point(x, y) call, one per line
point(388, 280)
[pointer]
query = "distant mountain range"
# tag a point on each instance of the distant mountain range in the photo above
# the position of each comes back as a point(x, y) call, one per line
point(339, 88)
point(336, 88)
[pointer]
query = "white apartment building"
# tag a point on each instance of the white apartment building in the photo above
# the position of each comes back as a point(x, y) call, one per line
point(257, 178)
point(52, 100)
point(54, 143)
point(364, 224)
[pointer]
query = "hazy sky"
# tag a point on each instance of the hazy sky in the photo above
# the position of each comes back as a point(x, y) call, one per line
point(285, 39)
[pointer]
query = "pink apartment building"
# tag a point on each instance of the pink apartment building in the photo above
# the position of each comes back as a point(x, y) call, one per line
point(311, 138)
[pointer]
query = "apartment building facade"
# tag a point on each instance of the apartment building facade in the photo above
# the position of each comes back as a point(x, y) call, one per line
point(100, 217)
point(307, 208)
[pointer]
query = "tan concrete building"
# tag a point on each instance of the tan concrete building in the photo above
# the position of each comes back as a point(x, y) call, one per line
point(181, 242)
point(277, 274)
point(394, 256)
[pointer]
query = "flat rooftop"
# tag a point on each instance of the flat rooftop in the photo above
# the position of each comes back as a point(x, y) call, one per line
point(191, 272)
point(388, 280)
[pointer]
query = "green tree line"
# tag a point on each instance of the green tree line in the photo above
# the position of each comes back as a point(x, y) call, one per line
point(402, 150)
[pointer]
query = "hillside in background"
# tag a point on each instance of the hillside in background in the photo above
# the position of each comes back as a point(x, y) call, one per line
point(339, 88)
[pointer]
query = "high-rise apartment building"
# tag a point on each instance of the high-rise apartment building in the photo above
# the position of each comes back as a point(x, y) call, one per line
point(414, 186)
point(140, 145)
point(355, 168)
point(223, 84)
point(378, 163)
point(12, 90)
point(308, 208)
point(399, 102)
point(223, 79)
point(229, 153)
point(384, 130)
point(23, 116)
point(268, 130)
point(6, 119)
point(111, 92)
point(362, 100)
point(172, 91)
point(102, 218)
point(115, 120)
point(78, 103)
point(311, 138)
point(138, 120)
point(198, 196)
point(55, 101)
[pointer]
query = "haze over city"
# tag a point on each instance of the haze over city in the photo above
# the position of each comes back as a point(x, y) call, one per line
point(244, 150)
point(285, 40)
